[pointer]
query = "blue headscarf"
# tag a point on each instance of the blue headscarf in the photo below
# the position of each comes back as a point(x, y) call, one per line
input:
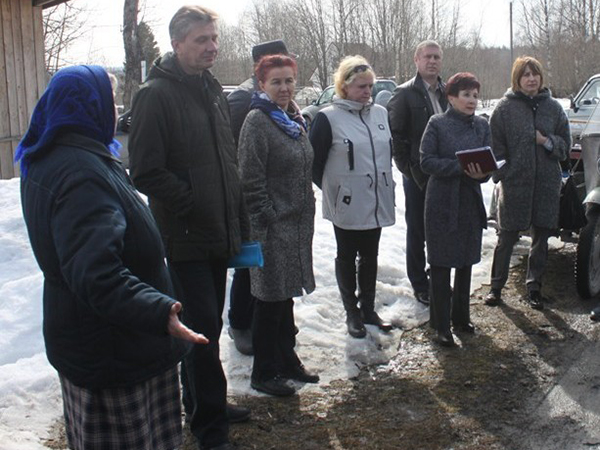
point(77, 99)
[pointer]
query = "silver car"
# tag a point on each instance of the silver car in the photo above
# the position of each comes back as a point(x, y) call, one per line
point(326, 97)
point(582, 106)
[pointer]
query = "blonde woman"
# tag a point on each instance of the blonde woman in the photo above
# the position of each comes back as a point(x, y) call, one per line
point(353, 166)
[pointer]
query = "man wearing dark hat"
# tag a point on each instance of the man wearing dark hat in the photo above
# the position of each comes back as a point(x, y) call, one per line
point(241, 302)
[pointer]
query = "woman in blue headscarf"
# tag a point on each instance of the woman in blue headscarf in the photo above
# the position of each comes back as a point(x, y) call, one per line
point(110, 322)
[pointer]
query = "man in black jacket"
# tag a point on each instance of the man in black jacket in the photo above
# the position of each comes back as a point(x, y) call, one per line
point(413, 103)
point(184, 158)
point(241, 301)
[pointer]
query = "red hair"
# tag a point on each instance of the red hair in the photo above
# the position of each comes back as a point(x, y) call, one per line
point(462, 81)
point(268, 62)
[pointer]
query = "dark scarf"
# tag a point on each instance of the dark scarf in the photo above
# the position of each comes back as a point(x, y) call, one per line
point(291, 122)
point(78, 99)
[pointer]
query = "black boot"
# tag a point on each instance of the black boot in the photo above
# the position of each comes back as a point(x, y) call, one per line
point(345, 274)
point(367, 279)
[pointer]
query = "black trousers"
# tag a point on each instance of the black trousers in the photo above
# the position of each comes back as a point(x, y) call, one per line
point(241, 301)
point(414, 214)
point(200, 288)
point(273, 339)
point(353, 243)
point(365, 245)
point(445, 303)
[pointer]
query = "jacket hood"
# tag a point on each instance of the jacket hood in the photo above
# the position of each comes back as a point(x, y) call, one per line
point(352, 106)
point(167, 66)
point(541, 95)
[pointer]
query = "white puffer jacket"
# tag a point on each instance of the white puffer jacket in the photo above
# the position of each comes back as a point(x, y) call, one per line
point(353, 165)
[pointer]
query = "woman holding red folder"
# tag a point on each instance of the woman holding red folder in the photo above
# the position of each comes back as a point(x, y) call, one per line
point(454, 211)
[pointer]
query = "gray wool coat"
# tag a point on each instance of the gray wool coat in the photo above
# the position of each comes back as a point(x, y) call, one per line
point(276, 172)
point(530, 181)
point(454, 211)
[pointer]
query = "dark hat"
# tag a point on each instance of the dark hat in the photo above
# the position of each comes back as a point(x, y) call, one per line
point(268, 48)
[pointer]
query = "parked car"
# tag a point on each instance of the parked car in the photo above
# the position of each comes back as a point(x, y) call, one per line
point(582, 106)
point(326, 97)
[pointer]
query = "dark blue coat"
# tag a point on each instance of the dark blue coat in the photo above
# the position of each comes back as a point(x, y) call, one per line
point(107, 292)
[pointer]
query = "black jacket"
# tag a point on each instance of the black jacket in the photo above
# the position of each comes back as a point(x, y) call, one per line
point(184, 158)
point(409, 111)
point(239, 104)
point(106, 287)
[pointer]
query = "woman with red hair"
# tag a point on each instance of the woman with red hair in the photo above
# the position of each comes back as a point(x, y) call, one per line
point(454, 211)
point(276, 168)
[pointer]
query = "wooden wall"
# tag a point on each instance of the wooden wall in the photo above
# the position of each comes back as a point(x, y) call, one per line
point(22, 75)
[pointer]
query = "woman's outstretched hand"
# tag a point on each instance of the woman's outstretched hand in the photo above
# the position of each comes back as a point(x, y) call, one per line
point(179, 330)
point(474, 171)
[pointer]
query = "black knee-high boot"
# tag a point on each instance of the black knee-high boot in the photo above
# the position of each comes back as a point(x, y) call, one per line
point(345, 273)
point(367, 280)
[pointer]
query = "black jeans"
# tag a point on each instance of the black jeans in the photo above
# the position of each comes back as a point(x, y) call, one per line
point(414, 214)
point(241, 301)
point(273, 339)
point(200, 288)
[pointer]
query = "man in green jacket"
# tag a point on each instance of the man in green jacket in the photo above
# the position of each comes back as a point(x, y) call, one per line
point(183, 157)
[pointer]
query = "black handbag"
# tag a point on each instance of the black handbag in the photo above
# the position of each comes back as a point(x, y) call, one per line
point(572, 213)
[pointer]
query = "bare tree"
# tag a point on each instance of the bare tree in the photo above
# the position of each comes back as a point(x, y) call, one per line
point(63, 25)
point(133, 51)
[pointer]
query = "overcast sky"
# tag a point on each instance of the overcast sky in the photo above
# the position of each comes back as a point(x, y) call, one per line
point(103, 42)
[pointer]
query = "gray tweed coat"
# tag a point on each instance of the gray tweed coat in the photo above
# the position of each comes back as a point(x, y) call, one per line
point(276, 173)
point(454, 211)
point(529, 183)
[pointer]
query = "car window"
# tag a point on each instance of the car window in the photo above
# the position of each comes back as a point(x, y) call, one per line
point(592, 94)
point(383, 86)
point(326, 96)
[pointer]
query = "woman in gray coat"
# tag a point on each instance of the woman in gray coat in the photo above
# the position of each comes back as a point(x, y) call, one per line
point(276, 168)
point(530, 130)
point(454, 211)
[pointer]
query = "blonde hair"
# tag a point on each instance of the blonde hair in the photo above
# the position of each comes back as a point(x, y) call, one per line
point(349, 68)
point(428, 43)
point(188, 16)
point(114, 82)
point(520, 66)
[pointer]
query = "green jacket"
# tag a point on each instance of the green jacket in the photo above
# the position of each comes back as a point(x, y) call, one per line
point(184, 158)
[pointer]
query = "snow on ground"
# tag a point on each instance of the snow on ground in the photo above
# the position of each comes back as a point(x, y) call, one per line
point(30, 399)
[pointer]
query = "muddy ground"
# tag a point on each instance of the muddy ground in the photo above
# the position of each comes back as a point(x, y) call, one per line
point(525, 380)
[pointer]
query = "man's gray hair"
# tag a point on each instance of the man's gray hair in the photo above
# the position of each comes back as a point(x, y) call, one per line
point(428, 43)
point(188, 16)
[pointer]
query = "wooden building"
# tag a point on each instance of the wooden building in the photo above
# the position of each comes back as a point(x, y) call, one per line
point(22, 72)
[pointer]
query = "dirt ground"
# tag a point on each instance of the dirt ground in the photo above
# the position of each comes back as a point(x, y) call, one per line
point(521, 382)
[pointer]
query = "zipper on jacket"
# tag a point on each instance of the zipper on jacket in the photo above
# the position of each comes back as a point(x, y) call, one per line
point(350, 145)
point(375, 168)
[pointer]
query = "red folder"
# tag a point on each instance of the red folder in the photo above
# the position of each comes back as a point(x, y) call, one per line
point(484, 156)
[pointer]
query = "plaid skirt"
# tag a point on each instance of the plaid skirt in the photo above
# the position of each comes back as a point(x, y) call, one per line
point(146, 416)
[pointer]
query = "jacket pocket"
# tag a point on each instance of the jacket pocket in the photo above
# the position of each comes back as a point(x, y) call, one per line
point(343, 200)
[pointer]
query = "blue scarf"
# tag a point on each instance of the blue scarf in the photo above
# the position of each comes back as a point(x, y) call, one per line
point(292, 123)
point(78, 99)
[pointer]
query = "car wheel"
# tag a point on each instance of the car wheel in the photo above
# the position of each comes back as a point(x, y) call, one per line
point(587, 265)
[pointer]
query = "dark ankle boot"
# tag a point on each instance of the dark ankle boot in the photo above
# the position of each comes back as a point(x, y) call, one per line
point(345, 273)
